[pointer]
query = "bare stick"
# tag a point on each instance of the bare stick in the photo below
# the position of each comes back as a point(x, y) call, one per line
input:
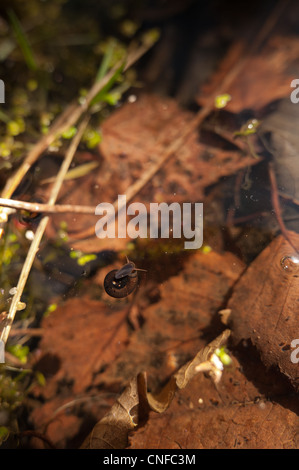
point(27, 331)
point(40, 231)
point(46, 208)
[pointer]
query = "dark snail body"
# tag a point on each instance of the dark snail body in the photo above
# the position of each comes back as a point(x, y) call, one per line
point(120, 283)
point(127, 270)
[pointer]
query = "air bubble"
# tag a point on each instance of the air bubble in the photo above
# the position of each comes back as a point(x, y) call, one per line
point(290, 264)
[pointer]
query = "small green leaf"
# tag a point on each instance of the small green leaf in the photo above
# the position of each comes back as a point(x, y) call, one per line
point(112, 98)
point(4, 433)
point(92, 139)
point(15, 127)
point(51, 308)
point(19, 351)
point(86, 259)
point(41, 380)
point(223, 356)
point(74, 254)
point(222, 100)
point(69, 133)
point(206, 249)
point(151, 36)
point(116, 76)
point(249, 128)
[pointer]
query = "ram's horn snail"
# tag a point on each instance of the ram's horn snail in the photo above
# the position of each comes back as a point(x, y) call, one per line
point(122, 282)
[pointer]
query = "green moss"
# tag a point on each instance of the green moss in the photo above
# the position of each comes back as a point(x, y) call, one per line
point(249, 128)
point(222, 100)
point(15, 127)
point(4, 433)
point(92, 138)
point(10, 391)
point(84, 259)
point(19, 351)
point(69, 133)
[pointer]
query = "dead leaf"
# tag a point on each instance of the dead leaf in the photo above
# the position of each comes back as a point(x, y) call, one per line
point(239, 413)
point(265, 304)
point(112, 431)
point(243, 426)
point(83, 337)
point(265, 77)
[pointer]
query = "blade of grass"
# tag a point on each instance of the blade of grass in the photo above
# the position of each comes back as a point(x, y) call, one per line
point(106, 61)
point(22, 40)
point(99, 96)
point(74, 173)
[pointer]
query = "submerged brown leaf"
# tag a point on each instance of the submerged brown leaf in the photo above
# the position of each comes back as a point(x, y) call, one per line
point(251, 89)
point(265, 303)
point(233, 415)
point(83, 337)
point(111, 432)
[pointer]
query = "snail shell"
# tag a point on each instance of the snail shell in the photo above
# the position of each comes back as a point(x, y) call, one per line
point(122, 282)
point(121, 287)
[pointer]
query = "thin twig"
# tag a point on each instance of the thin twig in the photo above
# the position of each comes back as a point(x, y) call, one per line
point(46, 208)
point(40, 230)
point(27, 331)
